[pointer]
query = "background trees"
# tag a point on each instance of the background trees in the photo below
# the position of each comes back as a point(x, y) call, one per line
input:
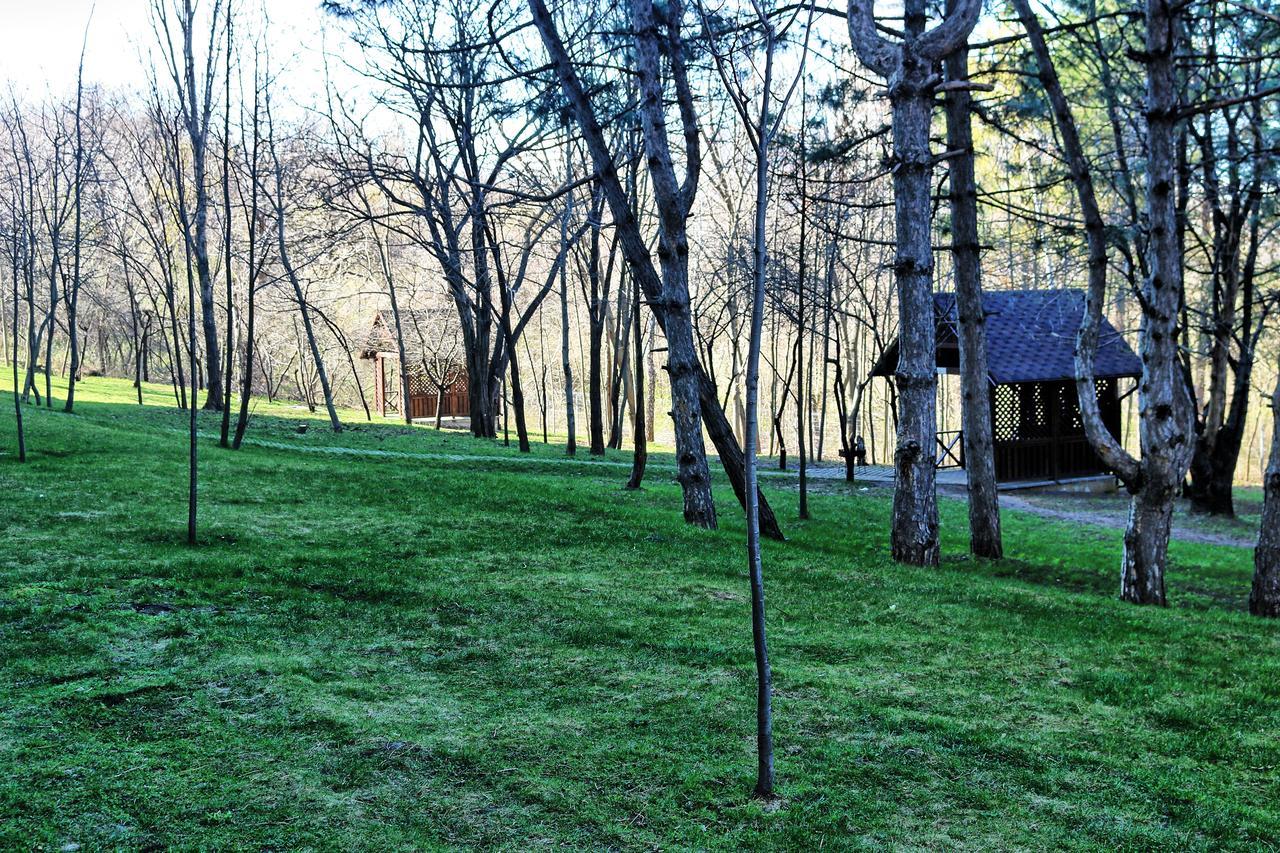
point(575, 190)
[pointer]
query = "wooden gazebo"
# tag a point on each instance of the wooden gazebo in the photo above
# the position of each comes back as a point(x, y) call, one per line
point(1035, 412)
point(437, 380)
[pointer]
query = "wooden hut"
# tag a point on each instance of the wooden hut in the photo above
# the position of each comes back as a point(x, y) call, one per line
point(1035, 413)
point(437, 378)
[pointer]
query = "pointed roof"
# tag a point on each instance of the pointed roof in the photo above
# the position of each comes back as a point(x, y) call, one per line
point(418, 324)
point(1031, 337)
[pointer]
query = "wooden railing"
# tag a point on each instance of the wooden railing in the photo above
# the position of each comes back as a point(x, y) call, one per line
point(950, 450)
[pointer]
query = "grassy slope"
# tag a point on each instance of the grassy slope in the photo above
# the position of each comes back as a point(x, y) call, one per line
point(370, 653)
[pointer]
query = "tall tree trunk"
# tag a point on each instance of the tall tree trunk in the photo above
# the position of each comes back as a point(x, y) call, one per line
point(1166, 428)
point(908, 68)
point(803, 396)
point(292, 275)
point(17, 396)
point(975, 413)
point(667, 294)
point(1166, 431)
point(1264, 599)
point(250, 317)
point(596, 308)
point(73, 299)
point(915, 508)
point(229, 378)
point(566, 361)
point(640, 453)
point(193, 493)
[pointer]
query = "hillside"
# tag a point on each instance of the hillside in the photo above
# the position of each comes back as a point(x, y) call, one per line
point(396, 637)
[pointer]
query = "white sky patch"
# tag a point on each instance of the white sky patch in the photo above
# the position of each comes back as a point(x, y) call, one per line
point(40, 43)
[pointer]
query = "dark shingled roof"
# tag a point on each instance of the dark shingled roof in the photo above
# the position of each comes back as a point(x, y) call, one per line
point(1031, 337)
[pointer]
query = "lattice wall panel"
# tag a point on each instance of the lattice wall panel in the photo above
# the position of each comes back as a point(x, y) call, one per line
point(1008, 413)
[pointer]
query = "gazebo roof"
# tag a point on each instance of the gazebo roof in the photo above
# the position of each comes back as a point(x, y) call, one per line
point(417, 323)
point(1031, 337)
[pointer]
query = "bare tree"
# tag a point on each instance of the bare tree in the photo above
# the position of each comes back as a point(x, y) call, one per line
point(16, 244)
point(175, 23)
point(290, 270)
point(77, 245)
point(695, 399)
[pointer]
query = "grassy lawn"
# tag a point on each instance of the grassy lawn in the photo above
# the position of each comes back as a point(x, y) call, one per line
point(389, 651)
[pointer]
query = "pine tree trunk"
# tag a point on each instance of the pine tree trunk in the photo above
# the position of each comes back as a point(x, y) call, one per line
point(1146, 539)
point(915, 508)
point(975, 413)
point(1165, 424)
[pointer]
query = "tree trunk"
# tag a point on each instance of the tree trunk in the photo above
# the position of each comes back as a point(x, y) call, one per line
point(292, 275)
point(228, 379)
point(915, 508)
point(1264, 599)
point(73, 299)
point(1165, 412)
point(640, 453)
point(595, 342)
point(908, 67)
point(975, 414)
point(246, 391)
point(566, 360)
point(802, 395)
point(17, 397)
point(668, 294)
point(1146, 539)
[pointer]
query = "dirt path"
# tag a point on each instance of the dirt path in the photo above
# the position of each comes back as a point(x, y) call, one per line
point(1117, 521)
point(1114, 520)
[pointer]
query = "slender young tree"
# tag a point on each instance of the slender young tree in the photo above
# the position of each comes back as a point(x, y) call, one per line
point(77, 246)
point(253, 260)
point(175, 23)
point(229, 351)
point(908, 68)
point(640, 451)
point(17, 242)
point(761, 125)
point(566, 362)
point(290, 271)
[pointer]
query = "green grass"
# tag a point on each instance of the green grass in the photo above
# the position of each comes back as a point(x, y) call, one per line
point(383, 652)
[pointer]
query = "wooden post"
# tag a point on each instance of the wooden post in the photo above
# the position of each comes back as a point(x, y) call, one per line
point(380, 383)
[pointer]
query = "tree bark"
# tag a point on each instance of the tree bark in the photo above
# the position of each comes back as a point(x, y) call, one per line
point(566, 361)
point(975, 387)
point(1166, 429)
point(1100, 438)
point(228, 379)
point(1166, 416)
point(908, 69)
point(73, 298)
point(17, 396)
point(1264, 598)
point(636, 250)
point(640, 453)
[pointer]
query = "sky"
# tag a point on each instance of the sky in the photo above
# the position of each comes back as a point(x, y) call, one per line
point(40, 40)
